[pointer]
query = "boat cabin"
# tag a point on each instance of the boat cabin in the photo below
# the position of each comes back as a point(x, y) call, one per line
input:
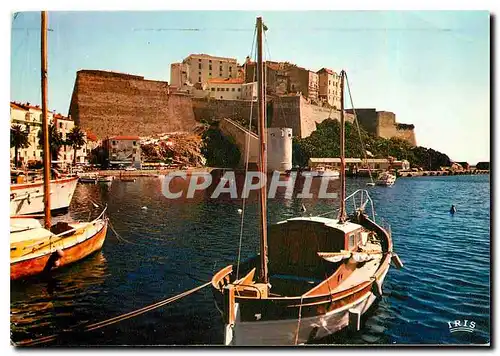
point(294, 245)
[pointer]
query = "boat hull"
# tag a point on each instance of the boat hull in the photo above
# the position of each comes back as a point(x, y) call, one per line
point(78, 248)
point(294, 331)
point(28, 198)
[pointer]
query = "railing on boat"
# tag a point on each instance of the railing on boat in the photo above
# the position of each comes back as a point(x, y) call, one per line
point(364, 198)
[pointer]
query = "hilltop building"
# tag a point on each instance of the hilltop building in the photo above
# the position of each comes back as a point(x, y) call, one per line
point(329, 87)
point(200, 68)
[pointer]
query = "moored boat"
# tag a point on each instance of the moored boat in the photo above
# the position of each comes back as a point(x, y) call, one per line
point(27, 198)
point(88, 177)
point(34, 249)
point(321, 172)
point(386, 179)
point(314, 275)
point(105, 179)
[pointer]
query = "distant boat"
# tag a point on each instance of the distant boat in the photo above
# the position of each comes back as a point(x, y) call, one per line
point(314, 275)
point(386, 179)
point(107, 179)
point(321, 171)
point(88, 177)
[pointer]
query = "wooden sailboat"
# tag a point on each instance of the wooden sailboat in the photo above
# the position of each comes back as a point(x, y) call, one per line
point(35, 249)
point(317, 276)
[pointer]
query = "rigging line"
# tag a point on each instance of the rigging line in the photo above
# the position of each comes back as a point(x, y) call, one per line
point(115, 319)
point(357, 125)
point(247, 153)
point(192, 29)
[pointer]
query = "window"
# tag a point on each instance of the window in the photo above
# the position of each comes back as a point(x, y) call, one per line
point(210, 66)
point(239, 89)
point(133, 143)
point(230, 69)
point(134, 151)
point(199, 65)
point(221, 97)
point(209, 61)
point(220, 68)
point(199, 79)
point(213, 89)
point(199, 59)
point(114, 143)
point(60, 125)
point(351, 241)
point(232, 89)
point(218, 89)
point(199, 73)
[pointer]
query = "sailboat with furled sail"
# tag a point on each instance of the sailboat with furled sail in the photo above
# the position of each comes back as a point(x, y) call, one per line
point(314, 275)
point(35, 249)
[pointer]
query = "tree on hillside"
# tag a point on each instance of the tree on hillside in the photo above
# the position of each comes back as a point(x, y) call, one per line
point(55, 141)
point(18, 139)
point(75, 139)
point(219, 150)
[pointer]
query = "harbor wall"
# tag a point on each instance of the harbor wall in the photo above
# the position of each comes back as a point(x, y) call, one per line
point(296, 112)
point(210, 109)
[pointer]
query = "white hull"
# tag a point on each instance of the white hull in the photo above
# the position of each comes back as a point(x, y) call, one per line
point(385, 183)
point(28, 198)
point(284, 332)
point(320, 174)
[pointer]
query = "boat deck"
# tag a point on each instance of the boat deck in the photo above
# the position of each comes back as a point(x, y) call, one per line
point(364, 273)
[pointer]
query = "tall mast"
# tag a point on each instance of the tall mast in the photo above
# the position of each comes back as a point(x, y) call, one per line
point(45, 125)
point(342, 210)
point(263, 156)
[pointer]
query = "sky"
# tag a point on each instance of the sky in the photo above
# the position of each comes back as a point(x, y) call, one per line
point(430, 68)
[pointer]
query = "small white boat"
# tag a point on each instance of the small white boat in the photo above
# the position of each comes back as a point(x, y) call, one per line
point(88, 177)
point(386, 179)
point(321, 171)
point(107, 179)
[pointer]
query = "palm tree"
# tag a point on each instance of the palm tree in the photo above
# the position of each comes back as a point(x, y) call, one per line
point(18, 139)
point(55, 141)
point(76, 139)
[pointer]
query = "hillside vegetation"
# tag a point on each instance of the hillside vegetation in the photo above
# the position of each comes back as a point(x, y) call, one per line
point(325, 142)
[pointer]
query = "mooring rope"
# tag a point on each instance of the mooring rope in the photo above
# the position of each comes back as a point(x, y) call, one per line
point(298, 323)
point(115, 319)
